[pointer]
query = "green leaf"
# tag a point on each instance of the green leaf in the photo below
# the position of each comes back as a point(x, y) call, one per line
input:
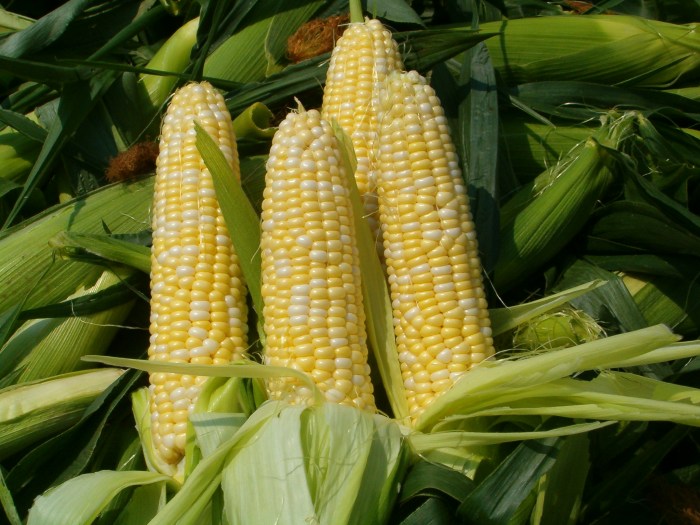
point(394, 10)
point(560, 493)
point(44, 31)
point(94, 491)
point(610, 304)
point(258, 49)
point(8, 322)
point(478, 116)
point(582, 100)
point(240, 216)
point(619, 483)
point(427, 478)
point(302, 453)
point(7, 504)
point(40, 71)
point(425, 48)
point(75, 104)
point(127, 289)
point(640, 227)
point(497, 498)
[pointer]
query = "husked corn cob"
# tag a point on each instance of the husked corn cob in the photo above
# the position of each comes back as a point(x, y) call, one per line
point(198, 308)
point(360, 61)
point(311, 285)
point(440, 313)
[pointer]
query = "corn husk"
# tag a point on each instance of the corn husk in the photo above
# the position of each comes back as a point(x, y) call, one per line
point(28, 266)
point(42, 348)
point(545, 214)
point(637, 52)
point(558, 329)
point(172, 56)
point(32, 411)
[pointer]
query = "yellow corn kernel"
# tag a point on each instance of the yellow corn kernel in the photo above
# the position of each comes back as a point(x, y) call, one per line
point(362, 57)
point(441, 317)
point(198, 305)
point(314, 317)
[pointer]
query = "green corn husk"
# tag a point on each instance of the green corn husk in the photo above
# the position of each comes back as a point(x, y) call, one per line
point(559, 329)
point(617, 50)
point(42, 348)
point(32, 411)
point(259, 48)
point(17, 154)
point(11, 22)
point(172, 56)
point(534, 147)
point(218, 395)
point(545, 214)
point(28, 266)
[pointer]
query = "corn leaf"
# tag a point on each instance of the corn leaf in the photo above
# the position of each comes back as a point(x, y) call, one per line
point(478, 146)
point(426, 478)
point(640, 227)
point(638, 52)
point(394, 10)
point(10, 21)
point(496, 500)
point(7, 504)
point(425, 48)
point(8, 322)
point(623, 481)
point(127, 288)
point(142, 505)
point(240, 216)
point(94, 491)
point(582, 100)
point(41, 71)
point(44, 31)
point(196, 493)
point(560, 492)
point(610, 304)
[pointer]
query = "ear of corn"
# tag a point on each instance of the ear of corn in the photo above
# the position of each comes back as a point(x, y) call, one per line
point(638, 52)
point(311, 285)
point(360, 61)
point(35, 410)
point(47, 347)
point(440, 312)
point(198, 306)
point(546, 213)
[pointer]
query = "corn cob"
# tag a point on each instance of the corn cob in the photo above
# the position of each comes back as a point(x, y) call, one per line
point(198, 308)
point(311, 287)
point(440, 313)
point(360, 61)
